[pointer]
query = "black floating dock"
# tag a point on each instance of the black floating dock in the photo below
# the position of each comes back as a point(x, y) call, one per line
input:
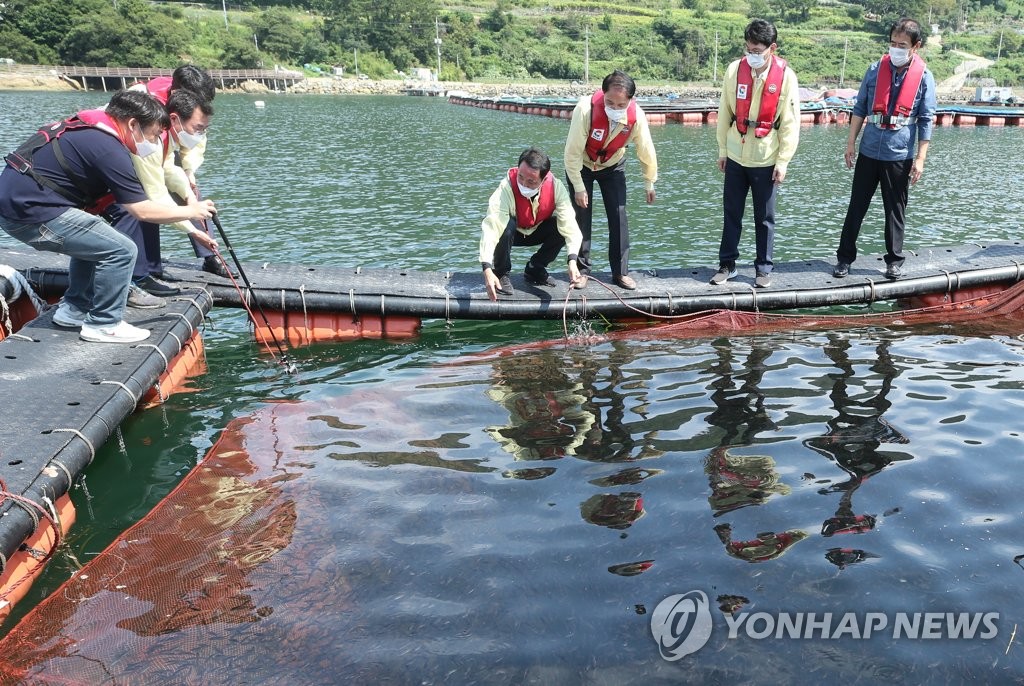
point(65, 397)
point(670, 291)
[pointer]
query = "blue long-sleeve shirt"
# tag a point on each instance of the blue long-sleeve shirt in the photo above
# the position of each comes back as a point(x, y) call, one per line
point(885, 144)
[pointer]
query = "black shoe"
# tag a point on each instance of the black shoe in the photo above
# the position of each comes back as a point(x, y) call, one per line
point(505, 285)
point(538, 278)
point(212, 265)
point(841, 270)
point(893, 271)
point(154, 287)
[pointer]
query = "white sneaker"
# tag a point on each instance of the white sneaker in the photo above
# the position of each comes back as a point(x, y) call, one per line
point(122, 332)
point(67, 316)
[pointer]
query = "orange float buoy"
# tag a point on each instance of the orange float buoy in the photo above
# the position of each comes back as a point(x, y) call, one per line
point(24, 566)
point(318, 327)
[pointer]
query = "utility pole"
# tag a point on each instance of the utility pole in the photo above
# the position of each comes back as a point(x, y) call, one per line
point(714, 74)
point(355, 52)
point(586, 54)
point(437, 42)
point(999, 51)
point(224, 6)
point(842, 71)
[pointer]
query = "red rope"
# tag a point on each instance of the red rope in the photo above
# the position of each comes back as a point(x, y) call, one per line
point(245, 304)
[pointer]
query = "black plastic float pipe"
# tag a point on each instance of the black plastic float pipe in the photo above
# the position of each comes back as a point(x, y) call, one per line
point(749, 300)
point(76, 456)
point(462, 307)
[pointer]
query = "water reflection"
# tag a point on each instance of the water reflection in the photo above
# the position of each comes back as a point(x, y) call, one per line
point(549, 415)
point(854, 438)
point(567, 403)
point(740, 480)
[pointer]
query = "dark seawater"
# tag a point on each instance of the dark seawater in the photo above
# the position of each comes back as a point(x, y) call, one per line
point(506, 515)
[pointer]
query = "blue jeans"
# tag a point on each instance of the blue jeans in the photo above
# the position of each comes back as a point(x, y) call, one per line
point(101, 264)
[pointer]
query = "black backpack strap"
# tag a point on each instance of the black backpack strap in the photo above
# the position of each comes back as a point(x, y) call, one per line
point(21, 161)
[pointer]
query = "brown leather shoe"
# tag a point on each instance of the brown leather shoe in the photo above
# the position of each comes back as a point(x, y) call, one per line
point(625, 281)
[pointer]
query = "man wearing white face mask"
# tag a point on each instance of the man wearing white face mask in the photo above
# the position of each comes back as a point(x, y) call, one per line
point(897, 102)
point(49, 183)
point(161, 178)
point(758, 132)
point(529, 207)
point(603, 125)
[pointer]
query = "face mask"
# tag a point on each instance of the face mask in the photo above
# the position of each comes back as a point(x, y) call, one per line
point(189, 140)
point(756, 61)
point(528, 192)
point(614, 116)
point(144, 148)
point(899, 56)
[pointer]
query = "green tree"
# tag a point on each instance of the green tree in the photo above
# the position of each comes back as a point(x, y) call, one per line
point(497, 19)
point(794, 10)
point(239, 52)
point(278, 34)
point(393, 27)
point(21, 49)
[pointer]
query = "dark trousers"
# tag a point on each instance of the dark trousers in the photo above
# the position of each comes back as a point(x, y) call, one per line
point(738, 181)
point(144, 235)
point(612, 182)
point(894, 178)
point(546, 236)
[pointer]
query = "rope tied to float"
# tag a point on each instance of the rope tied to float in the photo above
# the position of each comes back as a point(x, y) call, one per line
point(21, 286)
point(32, 508)
point(92, 449)
point(305, 311)
point(124, 388)
point(646, 313)
point(191, 329)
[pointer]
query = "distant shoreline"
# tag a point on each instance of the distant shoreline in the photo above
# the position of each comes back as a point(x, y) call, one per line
point(32, 79)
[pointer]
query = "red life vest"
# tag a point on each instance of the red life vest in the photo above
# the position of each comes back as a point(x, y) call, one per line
point(160, 88)
point(525, 218)
point(599, 148)
point(21, 159)
point(904, 99)
point(765, 121)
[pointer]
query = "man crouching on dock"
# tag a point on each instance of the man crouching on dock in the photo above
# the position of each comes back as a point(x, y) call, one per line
point(75, 165)
point(529, 207)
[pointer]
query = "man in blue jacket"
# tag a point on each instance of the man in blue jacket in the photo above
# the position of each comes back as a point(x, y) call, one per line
point(897, 102)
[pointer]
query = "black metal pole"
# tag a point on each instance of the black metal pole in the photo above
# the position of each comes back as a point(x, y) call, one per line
point(245, 279)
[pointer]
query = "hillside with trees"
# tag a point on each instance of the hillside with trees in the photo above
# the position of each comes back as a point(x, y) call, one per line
point(677, 41)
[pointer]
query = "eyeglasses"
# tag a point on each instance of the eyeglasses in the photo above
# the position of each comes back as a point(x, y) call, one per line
point(757, 52)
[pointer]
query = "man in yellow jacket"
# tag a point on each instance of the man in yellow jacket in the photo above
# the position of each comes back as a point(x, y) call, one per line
point(529, 207)
point(603, 126)
point(758, 131)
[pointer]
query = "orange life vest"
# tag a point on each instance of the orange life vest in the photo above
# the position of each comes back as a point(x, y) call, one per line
point(765, 121)
point(599, 148)
point(900, 115)
point(525, 218)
